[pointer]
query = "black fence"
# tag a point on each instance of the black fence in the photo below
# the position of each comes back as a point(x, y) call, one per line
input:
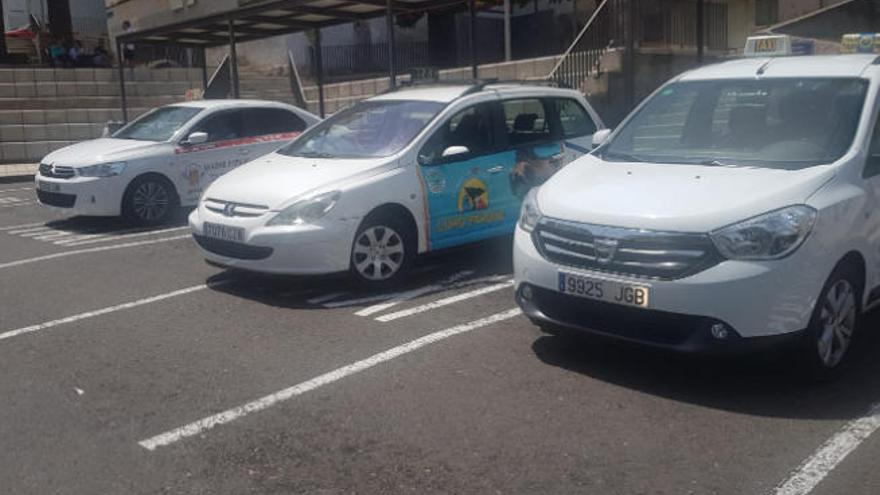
point(344, 60)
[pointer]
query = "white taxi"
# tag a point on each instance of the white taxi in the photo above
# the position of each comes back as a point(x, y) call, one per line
point(413, 170)
point(739, 205)
point(165, 158)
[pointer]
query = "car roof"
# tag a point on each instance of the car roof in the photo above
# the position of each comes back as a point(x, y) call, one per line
point(447, 93)
point(229, 103)
point(853, 65)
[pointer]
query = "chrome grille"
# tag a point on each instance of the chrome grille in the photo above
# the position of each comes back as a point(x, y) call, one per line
point(233, 209)
point(641, 253)
point(56, 171)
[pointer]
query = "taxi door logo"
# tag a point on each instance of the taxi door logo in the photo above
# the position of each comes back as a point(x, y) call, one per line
point(473, 196)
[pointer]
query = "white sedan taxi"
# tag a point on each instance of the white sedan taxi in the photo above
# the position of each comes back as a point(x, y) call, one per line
point(737, 207)
point(165, 158)
point(413, 170)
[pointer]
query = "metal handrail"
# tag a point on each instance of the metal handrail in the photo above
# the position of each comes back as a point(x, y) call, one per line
point(296, 86)
point(577, 39)
point(220, 83)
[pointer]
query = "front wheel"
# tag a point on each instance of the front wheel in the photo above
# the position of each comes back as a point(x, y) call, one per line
point(149, 200)
point(830, 335)
point(382, 252)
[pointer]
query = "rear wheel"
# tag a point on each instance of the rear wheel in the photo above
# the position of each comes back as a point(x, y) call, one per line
point(149, 200)
point(829, 338)
point(382, 251)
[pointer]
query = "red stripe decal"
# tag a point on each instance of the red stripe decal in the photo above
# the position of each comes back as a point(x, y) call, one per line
point(283, 136)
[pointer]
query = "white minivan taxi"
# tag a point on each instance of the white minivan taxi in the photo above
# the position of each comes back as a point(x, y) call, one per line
point(738, 206)
point(412, 170)
point(165, 158)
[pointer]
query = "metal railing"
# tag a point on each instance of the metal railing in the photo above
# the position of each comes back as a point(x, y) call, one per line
point(345, 60)
point(660, 24)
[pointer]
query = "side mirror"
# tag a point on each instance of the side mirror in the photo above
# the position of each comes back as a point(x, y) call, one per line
point(455, 150)
point(600, 137)
point(196, 138)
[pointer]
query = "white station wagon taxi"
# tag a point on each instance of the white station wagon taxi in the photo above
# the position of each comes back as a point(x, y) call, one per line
point(402, 173)
point(739, 204)
point(165, 158)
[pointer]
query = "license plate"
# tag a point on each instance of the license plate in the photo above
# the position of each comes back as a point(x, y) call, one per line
point(610, 291)
point(48, 187)
point(224, 232)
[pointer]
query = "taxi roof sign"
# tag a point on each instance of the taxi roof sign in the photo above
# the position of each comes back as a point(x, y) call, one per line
point(775, 45)
point(860, 43)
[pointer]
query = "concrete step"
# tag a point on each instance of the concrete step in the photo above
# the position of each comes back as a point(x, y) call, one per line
point(64, 116)
point(105, 75)
point(68, 89)
point(24, 152)
point(108, 102)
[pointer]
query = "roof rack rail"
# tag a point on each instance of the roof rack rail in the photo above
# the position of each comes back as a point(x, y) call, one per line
point(476, 85)
point(480, 86)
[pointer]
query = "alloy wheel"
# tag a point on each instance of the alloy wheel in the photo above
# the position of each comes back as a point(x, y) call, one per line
point(837, 322)
point(378, 253)
point(150, 201)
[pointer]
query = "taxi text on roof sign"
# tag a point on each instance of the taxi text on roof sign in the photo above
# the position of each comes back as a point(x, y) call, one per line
point(861, 43)
point(768, 46)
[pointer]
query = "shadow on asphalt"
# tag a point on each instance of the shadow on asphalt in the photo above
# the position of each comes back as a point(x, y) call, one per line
point(109, 225)
point(767, 384)
point(493, 257)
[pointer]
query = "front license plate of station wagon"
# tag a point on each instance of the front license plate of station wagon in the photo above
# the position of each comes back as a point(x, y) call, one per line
point(224, 232)
point(604, 290)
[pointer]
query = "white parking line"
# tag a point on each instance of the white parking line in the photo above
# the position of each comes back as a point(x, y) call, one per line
point(404, 296)
point(90, 250)
point(15, 205)
point(4, 191)
point(21, 226)
point(10, 199)
point(112, 309)
point(444, 302)
point(197, 427)
point(835, 450)
point(116, 236)
point(28, 230)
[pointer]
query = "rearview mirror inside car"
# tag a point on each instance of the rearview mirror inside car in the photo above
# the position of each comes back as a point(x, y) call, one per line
point(196, 138)
point(455, 150)
point(600, 137)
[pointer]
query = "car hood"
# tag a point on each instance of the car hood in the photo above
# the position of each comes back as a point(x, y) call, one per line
point(673, 197)
point(100, 151)
point(276, 180)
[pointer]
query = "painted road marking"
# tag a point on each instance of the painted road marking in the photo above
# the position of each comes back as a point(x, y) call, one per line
point(15, 205)
point(4, 191)
point(22, 226)
point(116, 236)
point(4, 200)
point(444, 302)
point(71, 238)
point(25, 232)
point(112, 309)
point(832, 453)
point(202, 425)
point(112, 247)
point(411, 294)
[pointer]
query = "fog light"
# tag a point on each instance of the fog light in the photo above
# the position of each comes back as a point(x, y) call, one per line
point(526, 292)
point(720, 331)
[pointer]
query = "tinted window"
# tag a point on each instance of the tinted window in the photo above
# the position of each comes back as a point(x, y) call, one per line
point(158, 125)
point(526, 121)
point(367, 130)
point(222, 126)
point(573, 118)
point(784, 123)
point(873, 166)
point(471, 128)
point(264, 121)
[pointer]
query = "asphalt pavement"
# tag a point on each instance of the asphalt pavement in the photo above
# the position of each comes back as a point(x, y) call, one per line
point(128, 365)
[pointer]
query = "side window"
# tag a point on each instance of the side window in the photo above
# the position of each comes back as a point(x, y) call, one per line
point(221, 126)
point(872, 167)
point(573, 118)
point(526, 121)
point(470, 128)
point(264, 121)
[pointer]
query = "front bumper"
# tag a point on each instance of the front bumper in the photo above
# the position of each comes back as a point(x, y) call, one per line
point(285, 250)
point(92, 196)
point(753, 300)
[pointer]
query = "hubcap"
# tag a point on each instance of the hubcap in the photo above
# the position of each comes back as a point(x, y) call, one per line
point(837, 322)
point(378, 253)
point(150, 201)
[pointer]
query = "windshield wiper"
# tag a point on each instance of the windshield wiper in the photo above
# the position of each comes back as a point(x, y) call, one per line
point(622, 156)
point(314, 154)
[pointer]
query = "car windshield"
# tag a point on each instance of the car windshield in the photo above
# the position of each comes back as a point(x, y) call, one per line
point(773, 123)
point(158, 125)
point(367, 130)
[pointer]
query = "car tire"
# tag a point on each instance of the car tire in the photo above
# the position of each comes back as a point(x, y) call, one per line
point(827, 343)
point(149, 200)
point(382, 252)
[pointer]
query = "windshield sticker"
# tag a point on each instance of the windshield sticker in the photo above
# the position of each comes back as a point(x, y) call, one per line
point(436, 180)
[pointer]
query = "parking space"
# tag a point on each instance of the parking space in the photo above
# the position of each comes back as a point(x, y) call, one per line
point(131, 366)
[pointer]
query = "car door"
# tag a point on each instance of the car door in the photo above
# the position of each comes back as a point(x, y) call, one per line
point(267, 129)
point(871, 176)
point(201, 164)
point(456, 164)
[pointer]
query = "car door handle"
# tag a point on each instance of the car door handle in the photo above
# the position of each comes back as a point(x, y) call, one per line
point(496, 169)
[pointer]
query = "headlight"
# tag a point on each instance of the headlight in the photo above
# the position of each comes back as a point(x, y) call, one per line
point(102, 170)
point(530, 215)
point(769, 236)
point(307, 210)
